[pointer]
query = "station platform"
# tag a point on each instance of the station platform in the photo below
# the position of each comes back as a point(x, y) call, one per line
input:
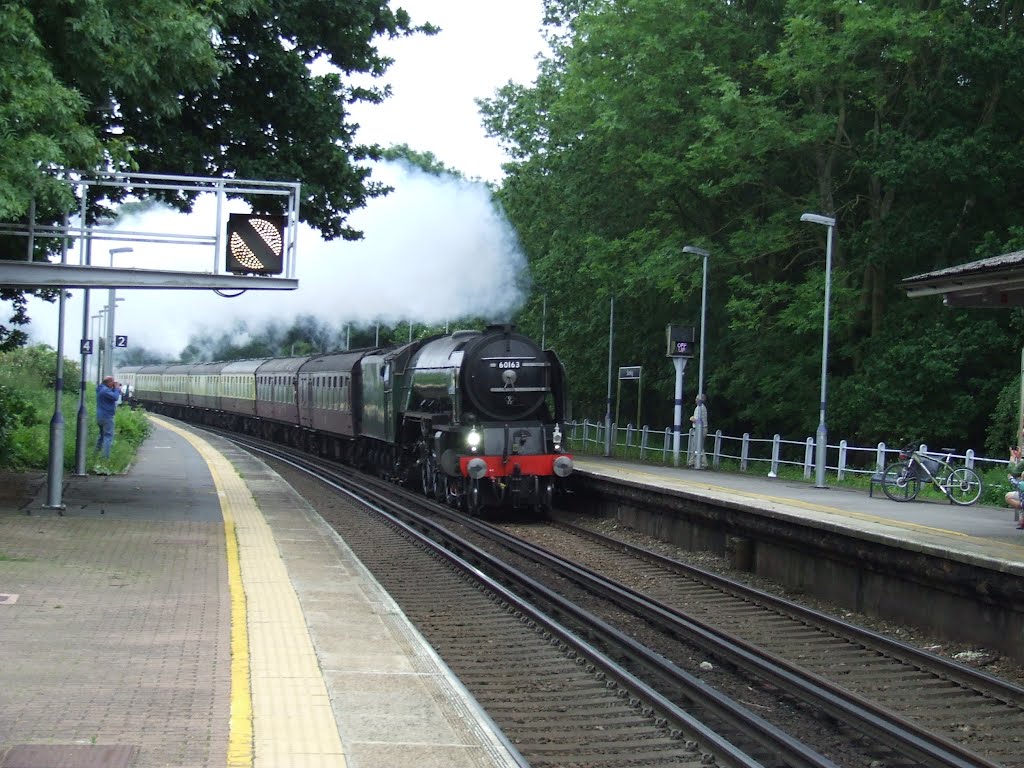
point(984, 535)
point(195, 611)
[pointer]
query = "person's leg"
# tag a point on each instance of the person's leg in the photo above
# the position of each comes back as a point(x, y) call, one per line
point(106, 436)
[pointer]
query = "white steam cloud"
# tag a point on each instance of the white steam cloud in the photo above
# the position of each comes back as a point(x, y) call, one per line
point(435, 250)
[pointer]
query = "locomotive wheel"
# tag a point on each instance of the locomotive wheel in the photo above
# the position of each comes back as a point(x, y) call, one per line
point(545, 501)
point(427, 478)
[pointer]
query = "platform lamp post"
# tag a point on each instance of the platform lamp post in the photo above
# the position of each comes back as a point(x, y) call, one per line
point(821, 439)
point(700, 425)
point(85, 352)
point(108, 361)
point(98, 317)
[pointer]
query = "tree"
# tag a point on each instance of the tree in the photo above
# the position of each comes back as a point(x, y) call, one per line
point(653, 125)
point(174, 86)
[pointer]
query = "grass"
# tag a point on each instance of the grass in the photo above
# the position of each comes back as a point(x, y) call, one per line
point(28, 409)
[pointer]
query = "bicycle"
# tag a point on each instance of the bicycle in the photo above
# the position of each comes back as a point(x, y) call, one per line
point(902, 479)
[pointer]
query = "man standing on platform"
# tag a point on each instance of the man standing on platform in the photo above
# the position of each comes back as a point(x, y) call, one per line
point(108, 394)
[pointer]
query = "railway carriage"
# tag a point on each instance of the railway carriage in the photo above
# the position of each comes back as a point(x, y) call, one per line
point(204, 385)
point(277, 397)
point(174, 386)
point(149, 383)
point(238, 387)
point(330, 402)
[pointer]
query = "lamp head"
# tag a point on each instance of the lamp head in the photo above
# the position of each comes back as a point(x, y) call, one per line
point(816, 218)
point(126, 249)
point(695, 250)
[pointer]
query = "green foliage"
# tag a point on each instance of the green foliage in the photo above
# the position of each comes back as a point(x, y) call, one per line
point(38, 364)
point(654, 125)
point(27, 406)
point(203, 89)
point(425, 161)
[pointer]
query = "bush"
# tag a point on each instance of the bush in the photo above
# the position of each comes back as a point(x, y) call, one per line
point(27, 377)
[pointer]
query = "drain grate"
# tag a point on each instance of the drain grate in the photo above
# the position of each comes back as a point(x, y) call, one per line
point(69, 756)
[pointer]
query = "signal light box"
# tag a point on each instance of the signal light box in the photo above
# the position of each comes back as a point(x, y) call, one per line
point(255, 244)
point(681, 340)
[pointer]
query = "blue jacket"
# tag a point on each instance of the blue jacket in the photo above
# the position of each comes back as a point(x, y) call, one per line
point(106, 401)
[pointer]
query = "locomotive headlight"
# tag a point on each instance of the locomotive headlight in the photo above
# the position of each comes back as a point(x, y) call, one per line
point(556, 438)
point(477, 468)
point(473, 439)
point(562, 466)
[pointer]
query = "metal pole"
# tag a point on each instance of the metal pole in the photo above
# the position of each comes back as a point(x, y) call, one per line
point(55, 470)
point(677, 416)
point(108, 359)
point(82, 432)
point(98, 336)
point(608, 440)
point(639, 395)
point(821, 438)
point(1017, 439)
point(699, 425)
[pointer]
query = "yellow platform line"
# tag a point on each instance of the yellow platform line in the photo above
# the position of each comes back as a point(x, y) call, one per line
point(281, 714)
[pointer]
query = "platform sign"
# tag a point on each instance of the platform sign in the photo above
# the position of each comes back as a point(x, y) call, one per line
point(121, 341)
point(629, 373)
point(85, 347)
point(255, 244)
point(681, 340)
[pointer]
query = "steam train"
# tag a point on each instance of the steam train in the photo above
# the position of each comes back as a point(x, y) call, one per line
point(472, 418)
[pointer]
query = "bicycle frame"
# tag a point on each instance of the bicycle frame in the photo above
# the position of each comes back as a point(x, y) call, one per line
point(939, 479)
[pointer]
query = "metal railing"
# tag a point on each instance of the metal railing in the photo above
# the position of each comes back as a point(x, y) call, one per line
point(650, 445)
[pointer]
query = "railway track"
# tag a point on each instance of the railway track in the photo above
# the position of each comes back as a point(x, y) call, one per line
point(960, 705)
point(708, 668)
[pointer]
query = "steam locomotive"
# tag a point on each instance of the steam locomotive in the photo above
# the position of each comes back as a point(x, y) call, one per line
point(472, 418)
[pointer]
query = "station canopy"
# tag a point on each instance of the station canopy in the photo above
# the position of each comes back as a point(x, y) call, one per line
point(995, 282)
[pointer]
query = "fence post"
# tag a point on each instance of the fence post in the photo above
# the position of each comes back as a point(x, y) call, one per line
point(664, 446)
point(969, 458)
point(629, 435)
point(880, 458)
point(645, 436)
point(841, 468)
point(776, 445)
point(808, 455)
point(718, 448)
point(744, 452)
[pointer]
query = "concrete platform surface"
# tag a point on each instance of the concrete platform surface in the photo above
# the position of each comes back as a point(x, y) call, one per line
point(196, 612)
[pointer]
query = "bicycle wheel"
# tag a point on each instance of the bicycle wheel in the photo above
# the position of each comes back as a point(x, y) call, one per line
point(899, 483)
point(964, 486)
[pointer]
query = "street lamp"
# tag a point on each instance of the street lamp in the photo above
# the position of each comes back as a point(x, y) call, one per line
point(700, 425)
point(821, 440)
point(98, 317)
point(108, 367)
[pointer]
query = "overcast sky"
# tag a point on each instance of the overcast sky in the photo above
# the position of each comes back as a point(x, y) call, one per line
point(432, 251)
